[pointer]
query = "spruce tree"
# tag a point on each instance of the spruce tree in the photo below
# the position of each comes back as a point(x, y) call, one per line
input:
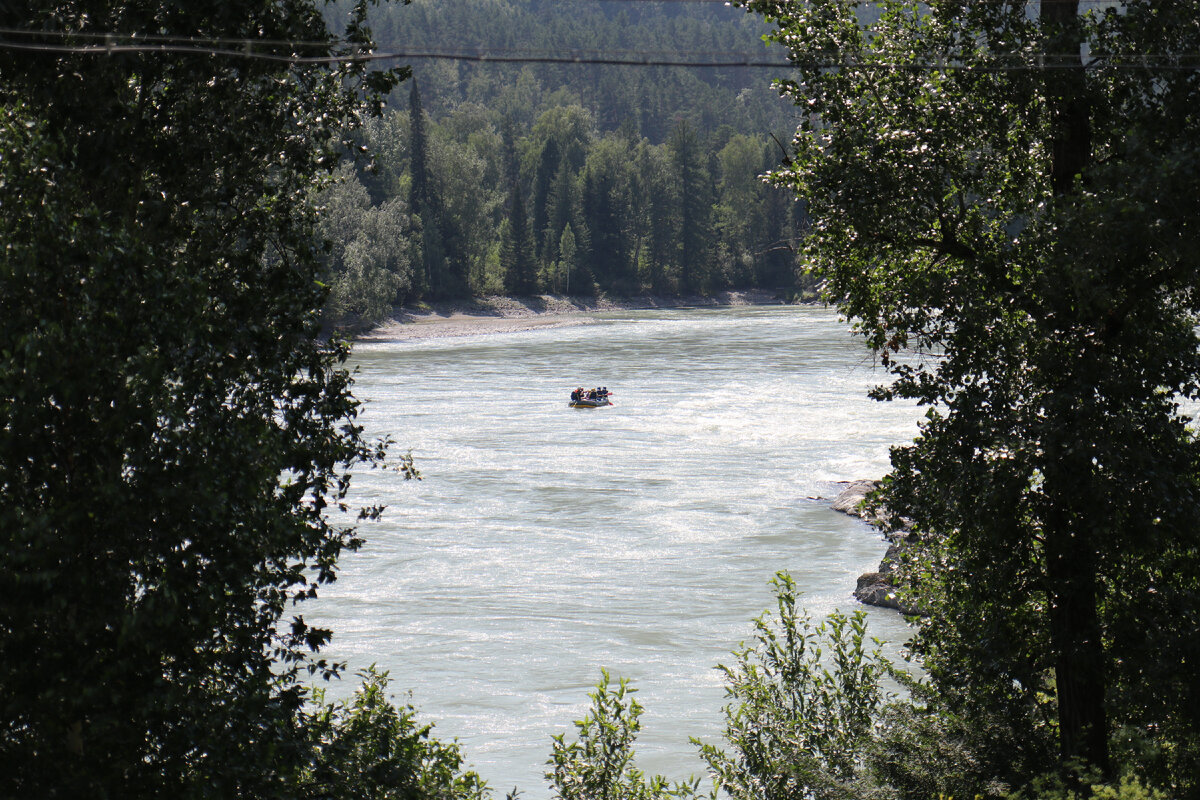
point(543, 189)
point(694, 209)
point(516, 251)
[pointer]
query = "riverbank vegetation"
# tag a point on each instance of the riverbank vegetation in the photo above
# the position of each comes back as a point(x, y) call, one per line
point(1001, 195)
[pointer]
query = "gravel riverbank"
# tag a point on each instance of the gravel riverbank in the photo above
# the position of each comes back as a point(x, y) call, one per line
point(483, 315)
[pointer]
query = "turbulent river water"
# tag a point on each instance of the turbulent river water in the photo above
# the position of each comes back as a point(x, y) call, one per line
point(545, 543)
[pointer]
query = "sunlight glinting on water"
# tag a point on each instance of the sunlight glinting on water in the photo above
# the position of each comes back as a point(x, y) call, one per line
point(545, 542)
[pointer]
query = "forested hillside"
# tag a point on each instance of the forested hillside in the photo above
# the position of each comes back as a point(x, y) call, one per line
point(521, 178)
point(650, 100)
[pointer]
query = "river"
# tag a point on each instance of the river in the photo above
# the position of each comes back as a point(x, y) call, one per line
point(544, 543)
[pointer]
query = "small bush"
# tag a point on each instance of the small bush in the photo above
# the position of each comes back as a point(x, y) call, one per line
point(370, 748)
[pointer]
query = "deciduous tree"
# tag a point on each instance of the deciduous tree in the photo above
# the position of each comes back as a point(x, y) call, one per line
point(173, 431)
point(1004, 199)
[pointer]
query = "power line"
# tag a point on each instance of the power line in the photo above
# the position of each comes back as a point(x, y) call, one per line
point(183, 49)
point(111, 46)
point(622, 58)
point(635, 59)
point(218, 41)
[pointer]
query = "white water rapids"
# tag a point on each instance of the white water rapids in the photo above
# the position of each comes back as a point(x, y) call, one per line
point(545, 542)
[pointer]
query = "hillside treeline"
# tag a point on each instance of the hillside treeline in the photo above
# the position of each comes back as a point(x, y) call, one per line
point(578, 179)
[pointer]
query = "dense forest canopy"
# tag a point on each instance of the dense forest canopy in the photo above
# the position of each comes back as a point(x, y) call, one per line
point(1004, 200)
point(172, 428)
point(523, 178)
point(649, 100)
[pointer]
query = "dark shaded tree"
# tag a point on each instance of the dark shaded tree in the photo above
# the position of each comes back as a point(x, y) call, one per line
point(425, 203)
point(420, 194)
point(173, 431)
point(607, 213)
point(657, 194)
point(545, 239)
point(776, 263)
point(1010, 220)
point(694, 210)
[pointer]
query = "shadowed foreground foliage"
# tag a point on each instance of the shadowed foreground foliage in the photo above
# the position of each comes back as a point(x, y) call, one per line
point(1004, 201)
point(172, 429)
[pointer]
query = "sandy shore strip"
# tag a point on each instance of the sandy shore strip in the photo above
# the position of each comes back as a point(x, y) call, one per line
point(484, 315)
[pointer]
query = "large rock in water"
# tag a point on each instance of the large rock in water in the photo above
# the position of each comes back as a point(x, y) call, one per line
point(850, 500)
point(876, 589)
point(879, 589)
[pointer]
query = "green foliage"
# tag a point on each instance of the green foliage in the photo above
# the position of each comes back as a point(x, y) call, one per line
point(643, 216)
point(1051, 787)
point(585, 148)
point(371, 748)
point(172, 429)
point(516, 248)
point(600, 764)
point(694, 209)
point(925, 747)
point(805, 699)
point(648, 100)
point(559, 275)
point(370, 265)
point(1016, 240)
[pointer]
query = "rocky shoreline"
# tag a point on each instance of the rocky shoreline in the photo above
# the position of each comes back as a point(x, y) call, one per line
point(877, 588)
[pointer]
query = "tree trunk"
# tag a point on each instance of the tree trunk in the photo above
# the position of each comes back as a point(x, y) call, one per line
point(1079, 665)
point(1070, 555)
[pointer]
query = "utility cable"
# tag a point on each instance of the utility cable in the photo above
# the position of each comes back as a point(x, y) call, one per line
point(1174, 62)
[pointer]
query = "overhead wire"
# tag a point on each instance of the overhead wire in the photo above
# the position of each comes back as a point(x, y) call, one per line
point(112, 43)
point(631, 58)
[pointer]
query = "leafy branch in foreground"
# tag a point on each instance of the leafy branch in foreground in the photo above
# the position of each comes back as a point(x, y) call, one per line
point(173, 428)
point(368, 747)
point(600, 764)
point(1026, 237)
point(805, 699)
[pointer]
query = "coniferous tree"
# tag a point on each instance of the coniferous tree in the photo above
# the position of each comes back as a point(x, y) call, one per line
point(419, 195)
point(776, 264)
point(422, 200)
point(658, 191)
point(543, 187)
point(582, 280)
point(568, 259)
point(694, 210)
point(444, 267)
point(516, 250)
point(603, 218)
point(563, 208)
